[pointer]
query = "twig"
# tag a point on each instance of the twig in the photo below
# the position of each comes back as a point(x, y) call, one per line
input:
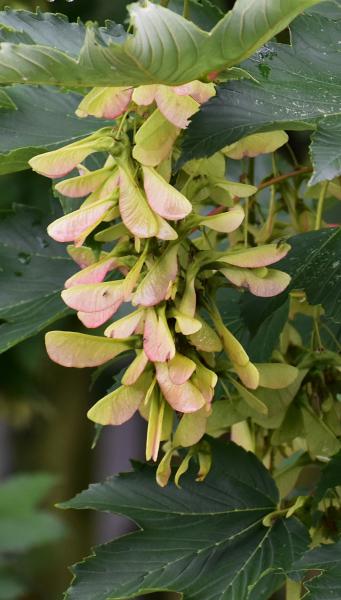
point(320, 205)
point(283, 177)
point(270, 182)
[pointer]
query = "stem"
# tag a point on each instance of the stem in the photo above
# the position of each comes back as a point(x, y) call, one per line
point(183, 189)
point(292, 155)
point(320, 205)
point(213, 311)
point(185, 13)
point(272, 205)
point(120, 127)
point(270, 182)
point(246, 221)
point(271, 215)
point(330, 333)
point(293, 590)
point(251, 172)
point(283, 177)
point(317, 333)
point(274, 164)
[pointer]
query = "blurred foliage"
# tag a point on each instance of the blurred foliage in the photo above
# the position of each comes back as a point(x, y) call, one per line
point(23, 528)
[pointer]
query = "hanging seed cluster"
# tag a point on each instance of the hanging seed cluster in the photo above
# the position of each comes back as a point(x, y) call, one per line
point(154, 245)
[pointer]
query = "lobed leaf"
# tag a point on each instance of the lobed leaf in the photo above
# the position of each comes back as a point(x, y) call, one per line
point(32, 275)
point(204, 540)
point(43, 120)
point(110, 57)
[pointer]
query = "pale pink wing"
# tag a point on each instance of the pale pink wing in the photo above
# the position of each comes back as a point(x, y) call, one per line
point(261, 256)
point(74, 225)
point(180, 369)
point(94, 273)
point(136, 214)
point(164, 199)
point(156, 285)
point(96, 319)
point(126, 326)
point(94, 297)
point(105, 102)
point(158, 342)
point(184, 398)
point(177, 109)
point(80, 350)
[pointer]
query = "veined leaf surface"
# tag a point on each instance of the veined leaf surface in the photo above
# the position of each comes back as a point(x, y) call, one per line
point(205, 540)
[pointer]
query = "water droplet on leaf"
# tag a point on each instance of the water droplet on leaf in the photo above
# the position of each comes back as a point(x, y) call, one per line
point(24, 258)
point(43, 242)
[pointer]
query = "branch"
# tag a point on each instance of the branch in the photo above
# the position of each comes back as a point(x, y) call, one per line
point(268, 183)
point(283, 177)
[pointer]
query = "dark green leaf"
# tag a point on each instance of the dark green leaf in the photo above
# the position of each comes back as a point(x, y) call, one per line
point(298, 88)
point(44, 119)
point(276, 401)
point(330, 477)
point(5, 101)
point(329, 9)
point(326, 149)
point(265, 338)
point(45, 29)
point(258, 330)
point(204, 540)
point(33, 269)
point(315, 266)
point(327, 560)
point(203, 13)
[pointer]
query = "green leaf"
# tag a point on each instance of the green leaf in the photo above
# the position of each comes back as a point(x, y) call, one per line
point(315, 267)
point(327, 584)
point(46, 29)
point(205, 14)
point(321, 440)
point(252, 401)
point(110, 57)
point(204, 540)
point(298, 88)
point(277, 403)
point(22, 525)
point(264, 339)
point(44, 119)
point(328, 9)
point(32, 274)
point(325, 149)
point(288, 471)
point(6, 102)
point(330, 477)
point(257, 331)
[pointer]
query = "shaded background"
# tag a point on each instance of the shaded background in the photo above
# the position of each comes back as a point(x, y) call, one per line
point(43, 424)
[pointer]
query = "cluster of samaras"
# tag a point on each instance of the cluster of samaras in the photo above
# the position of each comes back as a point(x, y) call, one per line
point(165, 259)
